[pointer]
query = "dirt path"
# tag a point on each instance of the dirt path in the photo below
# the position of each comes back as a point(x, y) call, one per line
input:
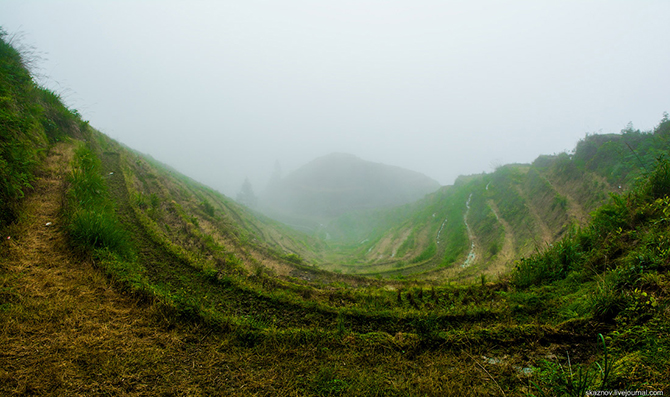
point(63, 329)
point(64, 316)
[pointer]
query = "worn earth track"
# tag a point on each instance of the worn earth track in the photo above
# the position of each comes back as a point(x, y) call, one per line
point(63, 329)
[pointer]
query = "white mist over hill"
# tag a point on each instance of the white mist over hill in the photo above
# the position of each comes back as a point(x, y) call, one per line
point(333, 185)
point(221, 90)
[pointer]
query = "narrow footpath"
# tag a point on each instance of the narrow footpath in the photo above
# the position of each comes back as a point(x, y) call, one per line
point(64, 330)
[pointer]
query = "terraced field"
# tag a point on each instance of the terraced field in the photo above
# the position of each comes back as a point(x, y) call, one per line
point(210, 319)
point(119, 276)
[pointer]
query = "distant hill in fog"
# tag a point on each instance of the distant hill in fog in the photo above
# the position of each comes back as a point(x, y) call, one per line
point(338, 183)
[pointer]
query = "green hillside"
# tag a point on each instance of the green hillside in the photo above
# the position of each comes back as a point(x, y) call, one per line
point(31, 119)
point(120, 276)
point(482, 223)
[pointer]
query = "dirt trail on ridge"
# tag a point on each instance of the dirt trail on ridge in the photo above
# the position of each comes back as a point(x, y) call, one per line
point(64, 330)
point(65, 319)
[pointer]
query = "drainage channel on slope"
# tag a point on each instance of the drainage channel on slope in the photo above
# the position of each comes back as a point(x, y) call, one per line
point(471, 255)
point(440, 231)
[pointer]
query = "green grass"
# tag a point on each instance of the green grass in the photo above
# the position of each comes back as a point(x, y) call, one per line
point(31, 118)
point(614, 272)
point(91, 220)
point(22, 137)
point(540, 203)
point(563, 296)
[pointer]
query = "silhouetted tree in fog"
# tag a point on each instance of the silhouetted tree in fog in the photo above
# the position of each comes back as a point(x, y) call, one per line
point(275, 178)
point(246, 195)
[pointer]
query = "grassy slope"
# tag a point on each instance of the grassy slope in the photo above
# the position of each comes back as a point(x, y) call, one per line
point(205, 318)
point(515, 211)
point(461, 340)
point(31, 118)
point(613, 273)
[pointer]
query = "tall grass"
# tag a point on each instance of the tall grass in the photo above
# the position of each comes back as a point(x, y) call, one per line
point(616, 228)
point(91, 220)
point(30, 119)
point(611, 274)
point(21, 135)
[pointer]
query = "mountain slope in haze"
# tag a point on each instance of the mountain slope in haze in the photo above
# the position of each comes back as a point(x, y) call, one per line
point(484, 222)
point(338, 183)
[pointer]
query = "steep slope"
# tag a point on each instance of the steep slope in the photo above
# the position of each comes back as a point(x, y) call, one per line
point(31, 118)
point(612, 272)
point(341, 183)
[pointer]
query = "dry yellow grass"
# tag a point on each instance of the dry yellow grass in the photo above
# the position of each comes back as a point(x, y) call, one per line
point(66, 326)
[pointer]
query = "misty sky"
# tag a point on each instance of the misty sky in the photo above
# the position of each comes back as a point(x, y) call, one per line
point(222, 89)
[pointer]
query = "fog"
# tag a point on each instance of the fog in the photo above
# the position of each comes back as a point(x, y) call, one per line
point(221, 90)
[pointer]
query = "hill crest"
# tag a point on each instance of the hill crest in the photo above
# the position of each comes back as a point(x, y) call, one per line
point(338, 183)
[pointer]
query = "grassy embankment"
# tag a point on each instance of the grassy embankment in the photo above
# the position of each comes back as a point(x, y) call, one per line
point(31, 119)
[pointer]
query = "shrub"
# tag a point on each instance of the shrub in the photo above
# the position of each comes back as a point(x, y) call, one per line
point(294, 258)
point(658, 183)
point(207, 207)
